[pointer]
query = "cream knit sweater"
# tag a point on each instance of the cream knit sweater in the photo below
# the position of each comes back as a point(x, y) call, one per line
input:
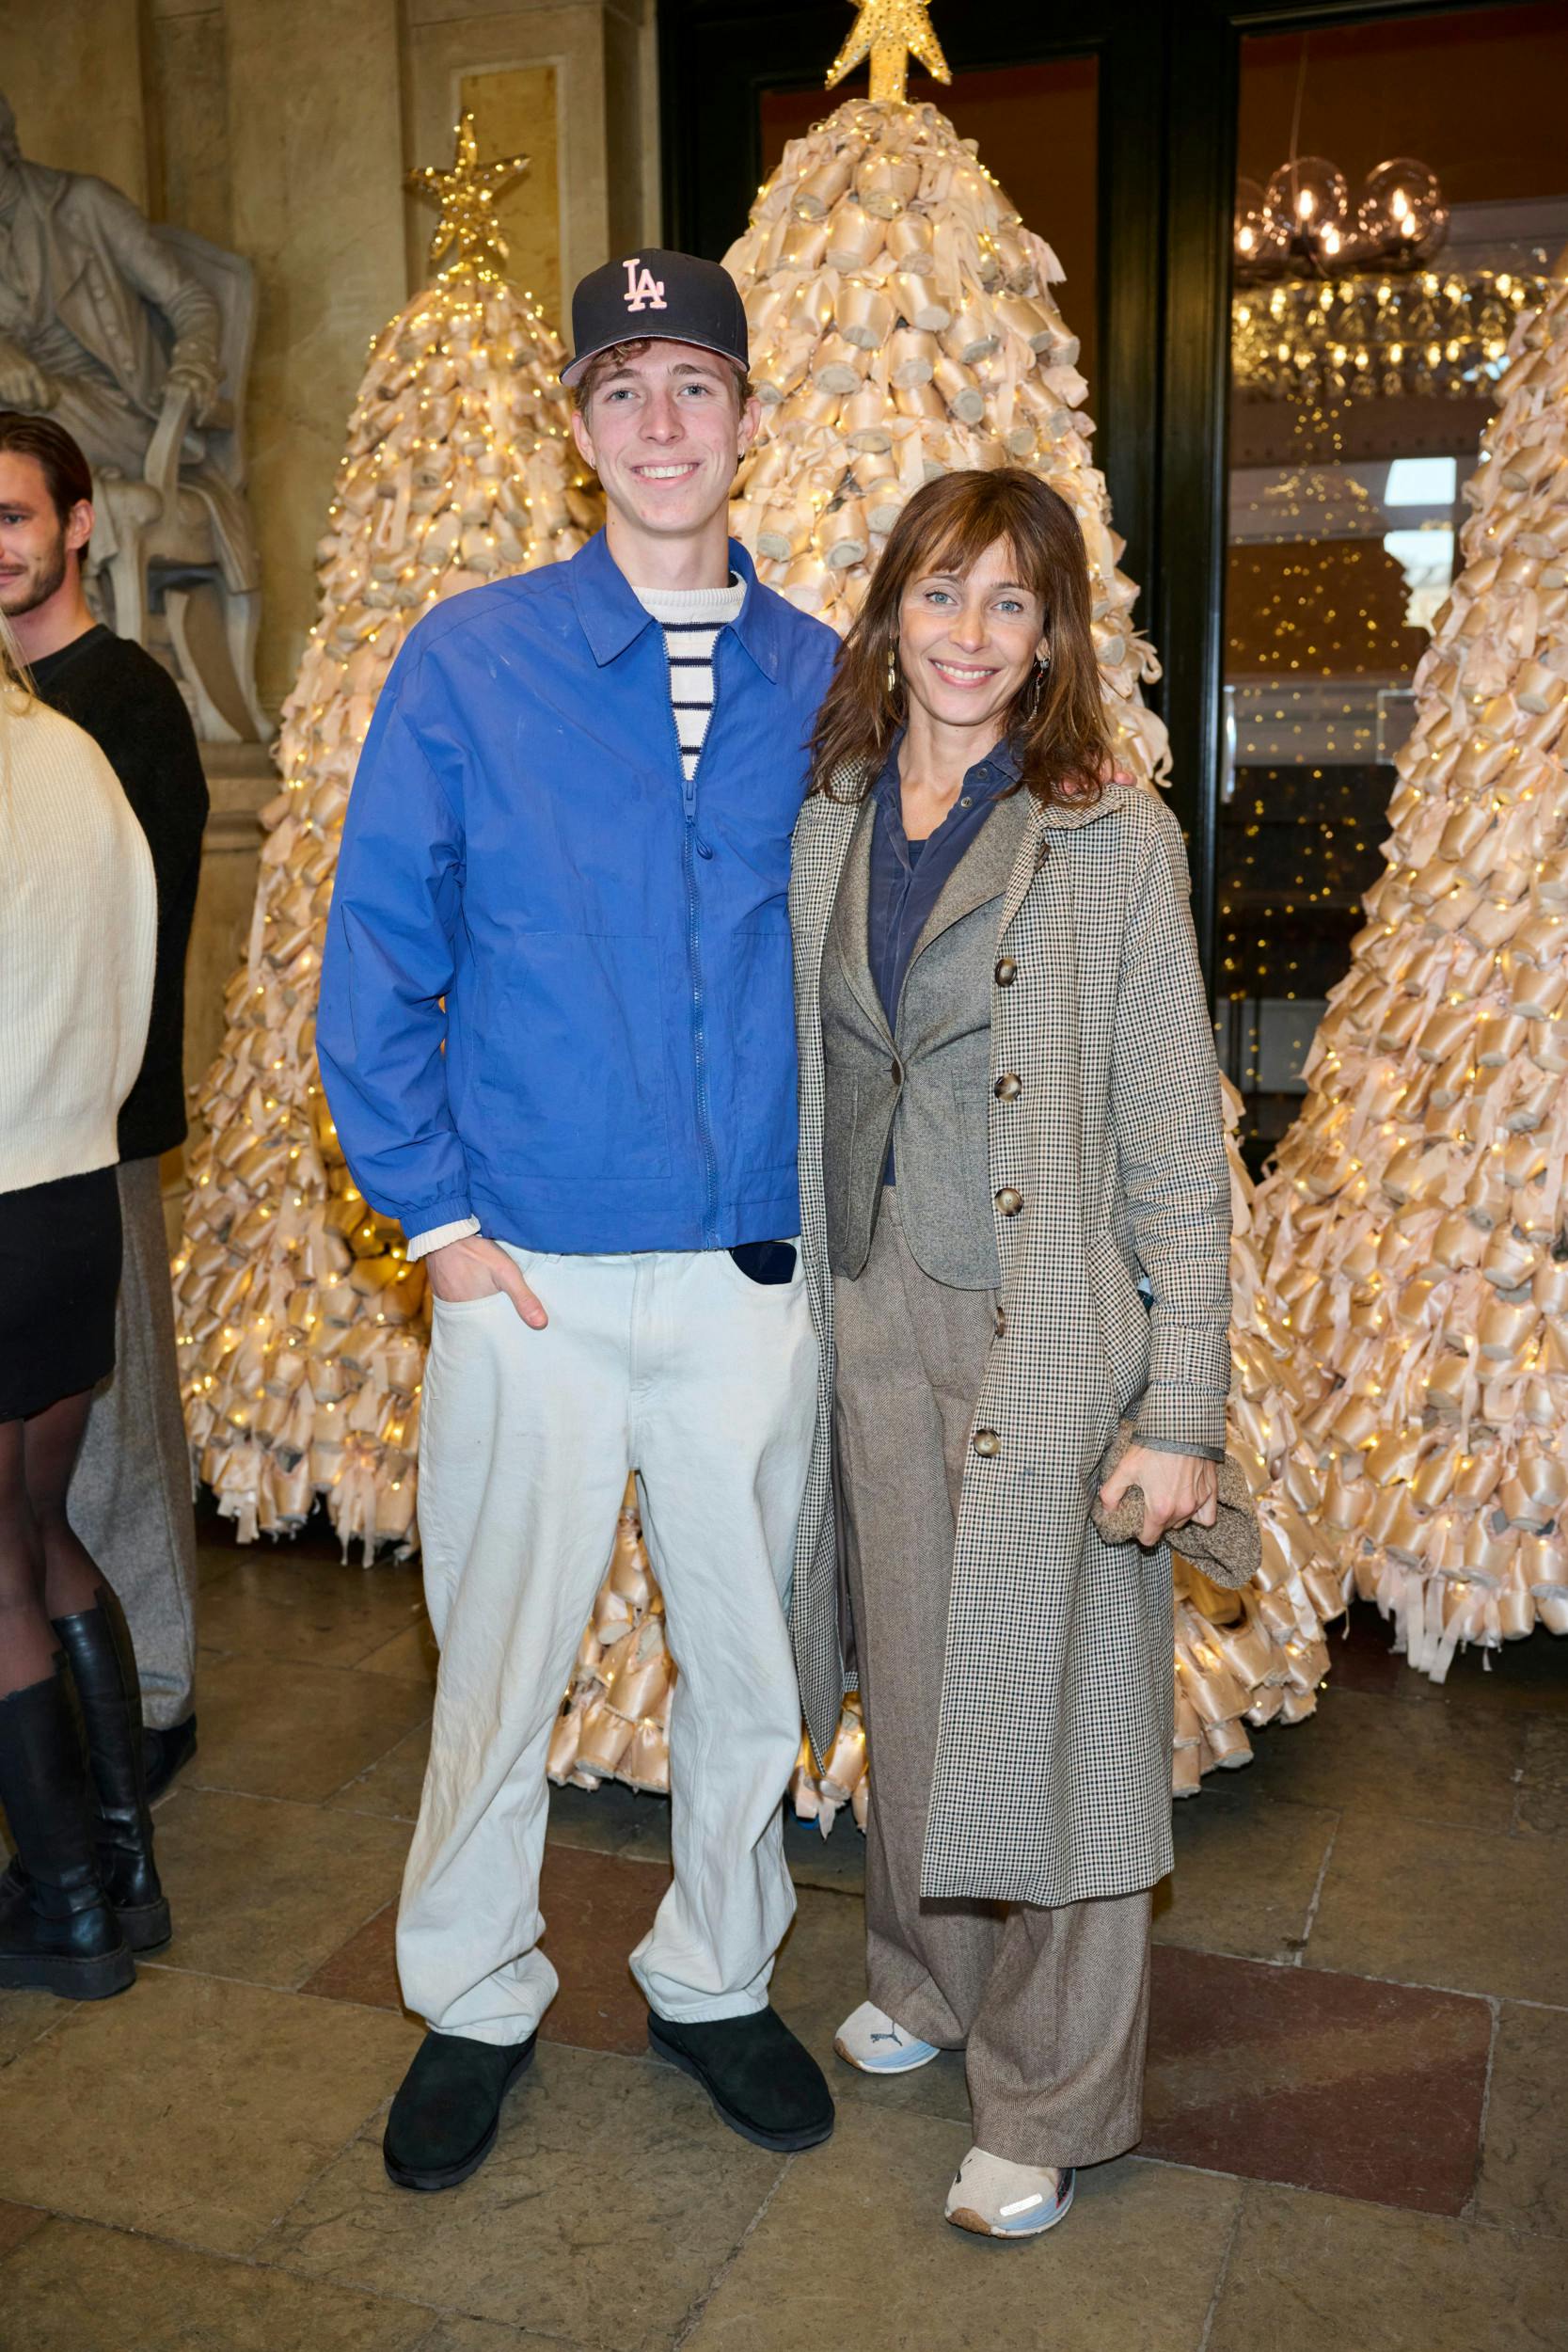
point(78, 918)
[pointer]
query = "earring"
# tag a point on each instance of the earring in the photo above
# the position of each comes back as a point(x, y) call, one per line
point(893, 669)
point(1037, 684)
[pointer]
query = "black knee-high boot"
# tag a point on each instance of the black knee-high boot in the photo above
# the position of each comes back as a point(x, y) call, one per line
point(108, 1690)
point(58, 1932)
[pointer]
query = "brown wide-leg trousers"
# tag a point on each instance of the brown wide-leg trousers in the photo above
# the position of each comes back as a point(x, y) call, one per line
point(1051, 2006)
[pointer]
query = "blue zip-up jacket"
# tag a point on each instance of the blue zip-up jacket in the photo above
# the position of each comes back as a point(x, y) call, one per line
point(614, 1068)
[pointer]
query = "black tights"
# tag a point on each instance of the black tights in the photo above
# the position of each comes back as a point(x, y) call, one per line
point(45, 1570)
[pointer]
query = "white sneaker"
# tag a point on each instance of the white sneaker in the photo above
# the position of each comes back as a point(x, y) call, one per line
point(870, 2040)
point(995, 2198)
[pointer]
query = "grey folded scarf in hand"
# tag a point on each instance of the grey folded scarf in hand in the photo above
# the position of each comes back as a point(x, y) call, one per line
point(1231, 1552)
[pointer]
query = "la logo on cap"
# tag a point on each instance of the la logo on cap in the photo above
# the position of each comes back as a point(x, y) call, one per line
point(645, 292)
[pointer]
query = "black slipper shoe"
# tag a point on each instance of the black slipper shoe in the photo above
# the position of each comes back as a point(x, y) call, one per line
point(765, 2084)
point(445, 2118)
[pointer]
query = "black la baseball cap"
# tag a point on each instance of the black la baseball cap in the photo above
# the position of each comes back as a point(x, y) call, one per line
point(674, 296)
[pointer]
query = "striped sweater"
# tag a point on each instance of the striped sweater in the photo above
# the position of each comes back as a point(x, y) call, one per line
point(691, 619)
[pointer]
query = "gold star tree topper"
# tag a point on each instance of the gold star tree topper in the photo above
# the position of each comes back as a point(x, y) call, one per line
point(466, 233)
point(890, 32)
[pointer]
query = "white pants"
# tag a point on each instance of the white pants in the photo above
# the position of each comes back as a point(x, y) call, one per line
point(678, 1365)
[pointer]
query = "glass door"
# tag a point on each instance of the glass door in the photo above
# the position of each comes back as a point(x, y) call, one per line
point(1401, 186)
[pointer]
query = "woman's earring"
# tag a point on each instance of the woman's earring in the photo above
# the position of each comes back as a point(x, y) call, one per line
point(1037, 684)
point(893, 669)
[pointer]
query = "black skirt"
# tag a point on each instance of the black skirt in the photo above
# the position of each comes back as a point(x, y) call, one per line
point(59, 1274)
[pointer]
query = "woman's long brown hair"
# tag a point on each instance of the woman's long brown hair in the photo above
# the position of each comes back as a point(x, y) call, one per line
point(1061, 739)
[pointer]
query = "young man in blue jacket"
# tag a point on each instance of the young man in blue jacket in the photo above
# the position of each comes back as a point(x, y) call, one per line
point(557, 1037)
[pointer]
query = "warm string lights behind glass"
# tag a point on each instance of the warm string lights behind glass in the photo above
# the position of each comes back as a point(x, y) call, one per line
point(1436, 334)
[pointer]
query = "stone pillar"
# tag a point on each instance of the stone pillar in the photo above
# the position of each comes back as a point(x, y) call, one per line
point(315, 143)
point(571, 85)
point(74, 71)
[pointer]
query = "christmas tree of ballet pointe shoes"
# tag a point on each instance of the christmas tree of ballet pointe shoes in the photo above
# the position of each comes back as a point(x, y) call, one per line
point(903, 324)
point(1414, 1237)
point(301, 1325)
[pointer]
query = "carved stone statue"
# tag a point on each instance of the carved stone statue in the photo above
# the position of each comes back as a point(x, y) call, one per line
point(136, 340)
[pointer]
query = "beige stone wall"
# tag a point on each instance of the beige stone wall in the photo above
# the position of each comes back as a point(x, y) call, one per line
point(283, 129)
point(73, 70)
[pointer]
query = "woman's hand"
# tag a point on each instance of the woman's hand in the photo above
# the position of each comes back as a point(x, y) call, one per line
point(1176, 1487)
point(474, 1268)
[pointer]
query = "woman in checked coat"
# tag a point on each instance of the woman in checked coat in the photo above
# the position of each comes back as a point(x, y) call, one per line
point(1016, 1225)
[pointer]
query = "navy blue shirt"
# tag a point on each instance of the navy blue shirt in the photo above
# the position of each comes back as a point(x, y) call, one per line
point(908, 877)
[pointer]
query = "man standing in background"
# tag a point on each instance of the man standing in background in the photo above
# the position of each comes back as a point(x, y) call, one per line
point(130, 1495)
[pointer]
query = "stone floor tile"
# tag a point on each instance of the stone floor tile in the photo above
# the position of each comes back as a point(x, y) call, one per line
point(1246, 1865)
point(484, 2335)
point(819, 1979)
point(854, 2251)
point(300, 1733)
point(1529, 1678)
point(410, 1656)
point(266, 1890)
point(1434, 1763)
point(365, 1969)
point(244, 2094)
point(1327, 2082)
point(613, 2199)
point(597, 1909)
point(392, 1788)
point(1361, 1656)
point(16, 2223)
point(611, 1820)
point(323, 1613)
point(1543, 1792)
point(1524, 2181)
point(836, 1863)
point(25, 2015)
point(76, 2288)
point(1463, 1909)
point(1310, 2274)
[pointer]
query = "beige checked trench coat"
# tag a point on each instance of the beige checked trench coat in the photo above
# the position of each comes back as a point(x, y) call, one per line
point(1052, 1773)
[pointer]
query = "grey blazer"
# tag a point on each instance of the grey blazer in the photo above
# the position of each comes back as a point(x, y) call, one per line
point(929, 1092)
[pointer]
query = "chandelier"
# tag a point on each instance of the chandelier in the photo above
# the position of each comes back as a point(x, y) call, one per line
point(1336, 299)
point(1304, 220)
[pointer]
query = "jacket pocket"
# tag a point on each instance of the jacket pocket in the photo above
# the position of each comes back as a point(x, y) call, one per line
point(760, 985)
point(568, 1058)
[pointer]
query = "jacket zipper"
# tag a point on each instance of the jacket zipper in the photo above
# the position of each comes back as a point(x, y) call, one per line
point(694, 959)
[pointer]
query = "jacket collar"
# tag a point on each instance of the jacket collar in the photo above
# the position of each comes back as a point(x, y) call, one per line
point(1065, 815)
point(611, 617)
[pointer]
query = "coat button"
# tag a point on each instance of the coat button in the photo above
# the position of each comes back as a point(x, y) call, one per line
point(1007, 1089)
point(1007, 972)
point(1009, 1201)
point(987, 1442)
point(897, 1069)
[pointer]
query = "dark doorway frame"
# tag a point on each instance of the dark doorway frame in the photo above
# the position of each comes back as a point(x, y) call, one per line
point(1169, 83)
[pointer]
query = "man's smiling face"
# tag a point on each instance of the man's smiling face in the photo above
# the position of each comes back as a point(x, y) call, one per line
point(664, 432)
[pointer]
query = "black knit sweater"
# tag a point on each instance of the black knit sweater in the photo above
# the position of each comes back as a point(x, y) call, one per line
point(131, 708)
